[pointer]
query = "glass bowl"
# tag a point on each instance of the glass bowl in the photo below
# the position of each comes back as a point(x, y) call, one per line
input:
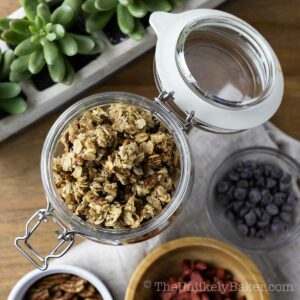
point(217, 212)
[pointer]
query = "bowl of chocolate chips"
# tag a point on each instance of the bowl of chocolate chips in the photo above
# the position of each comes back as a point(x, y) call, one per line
point(253, 199)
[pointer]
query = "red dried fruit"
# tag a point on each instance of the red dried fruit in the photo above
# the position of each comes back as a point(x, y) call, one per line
point(200, 266)
point(186, 268)
point(199, 281)
point(195, 296)
point(184, 296)
point(167, 295)
point(221, 273)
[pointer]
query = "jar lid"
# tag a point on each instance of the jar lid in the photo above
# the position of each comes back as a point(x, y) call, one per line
point(219, 67)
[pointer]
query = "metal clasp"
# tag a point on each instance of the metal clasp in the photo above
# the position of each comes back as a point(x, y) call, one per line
point(63, 235)
point(186, 123)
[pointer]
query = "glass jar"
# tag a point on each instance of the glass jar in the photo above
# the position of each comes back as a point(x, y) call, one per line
point(71, 225)
point(246, 94)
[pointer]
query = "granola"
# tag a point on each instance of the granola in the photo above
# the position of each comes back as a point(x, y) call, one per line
point(119, 166)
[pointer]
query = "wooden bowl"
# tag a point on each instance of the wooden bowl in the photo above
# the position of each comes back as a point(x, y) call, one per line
point(165, 262)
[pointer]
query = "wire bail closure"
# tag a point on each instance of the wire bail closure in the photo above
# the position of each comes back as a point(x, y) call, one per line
point(63, 236)
point(189, 120)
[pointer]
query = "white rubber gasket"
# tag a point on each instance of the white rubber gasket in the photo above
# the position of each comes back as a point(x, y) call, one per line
point(168, 28)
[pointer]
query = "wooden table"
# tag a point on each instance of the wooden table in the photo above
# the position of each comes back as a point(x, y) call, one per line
point(21, 189)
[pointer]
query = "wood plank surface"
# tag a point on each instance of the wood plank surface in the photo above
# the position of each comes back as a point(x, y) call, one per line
point(21, 190)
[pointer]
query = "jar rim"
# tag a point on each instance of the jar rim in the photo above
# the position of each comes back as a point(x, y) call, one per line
point(112, 236)
point(252, 37)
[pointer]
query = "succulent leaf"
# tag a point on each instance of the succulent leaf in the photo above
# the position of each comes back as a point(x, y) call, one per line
point(127, 11)
point(105, 4)
point(88, 6)
point(59, 31)
point(50, 52)
point(19, 76)
point(44, 12)
point(36, 62)
point(76, 6)
point(20, 26)
point(137, 9)
point(7, 59)
point(96, 22)
point(85, 44)
point(14, 106)
point(126, 2)
point(12, 37)
point(9, 90)
point(30, 8)
point(68, 45)
point(4, 24)
point(62, 15)
point(20, 64)
point(27, 47)
point(98, 48)
point(157, 5)
point(70, 73)
point(139, 31)
point(57, 70)
point(125, 19)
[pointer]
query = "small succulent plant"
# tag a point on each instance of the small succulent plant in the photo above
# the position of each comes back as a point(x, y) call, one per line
point(42, 38)
point(10, 100)
point(129, 13)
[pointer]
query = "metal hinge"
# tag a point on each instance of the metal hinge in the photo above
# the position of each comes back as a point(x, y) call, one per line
point(65, 239)
point(186, 123)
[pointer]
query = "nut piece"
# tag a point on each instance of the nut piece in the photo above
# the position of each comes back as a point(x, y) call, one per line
point(119, 167)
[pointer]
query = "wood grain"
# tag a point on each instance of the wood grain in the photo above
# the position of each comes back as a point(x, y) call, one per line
point(165, 262)
point(21, 190)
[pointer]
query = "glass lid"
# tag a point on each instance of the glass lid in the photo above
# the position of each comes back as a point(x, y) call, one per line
point(219, 67)
point(221, 61)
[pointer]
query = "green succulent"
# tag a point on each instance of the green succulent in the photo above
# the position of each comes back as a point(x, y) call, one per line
point(42, 38)
point(129, 13)
point(10, 100)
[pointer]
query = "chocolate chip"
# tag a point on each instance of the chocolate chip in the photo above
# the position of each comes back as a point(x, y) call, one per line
point(250, 218)
point(291, 199)
point(271, 183)
point(266, 197)
point(278, 228)
point(233, 176)
point(276, 173)
point(240, 193)
point(223, 186)
point(260, 234)
point(284, 187)
point(230, 215)
point(272, 209)
point(286, 178)
point(279, 199)
point(254, 196)
point(260, 183)
point(243, 211)
point(243, 184)
point(237, 205)
point(243, 229)
point(265, 216)
point(262, 224)
point(285, 216)
point(246, 174)
point(239, 167)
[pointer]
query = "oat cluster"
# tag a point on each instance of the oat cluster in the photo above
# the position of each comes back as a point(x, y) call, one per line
point(118, 168)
